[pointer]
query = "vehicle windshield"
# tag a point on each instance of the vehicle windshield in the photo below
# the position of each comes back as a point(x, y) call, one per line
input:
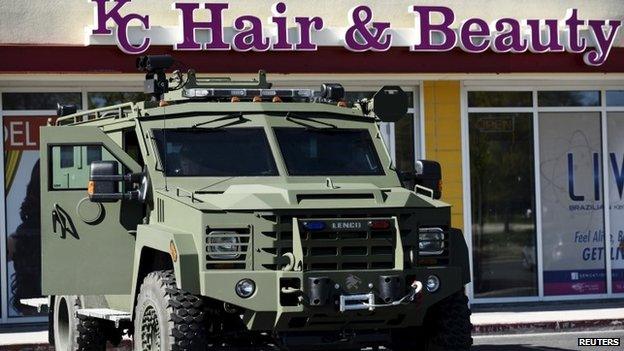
point(225, 152)
point(313, 152)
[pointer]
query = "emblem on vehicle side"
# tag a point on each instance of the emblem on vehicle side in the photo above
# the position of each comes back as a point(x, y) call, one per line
point(353, 282)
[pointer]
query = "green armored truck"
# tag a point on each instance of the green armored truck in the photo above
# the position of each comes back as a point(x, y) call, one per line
point(229, 214)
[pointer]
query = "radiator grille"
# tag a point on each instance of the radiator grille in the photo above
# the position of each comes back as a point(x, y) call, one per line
point(336, 249)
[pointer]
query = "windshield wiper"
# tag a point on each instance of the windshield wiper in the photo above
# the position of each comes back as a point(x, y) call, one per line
point(297, 119)
point(237, 115)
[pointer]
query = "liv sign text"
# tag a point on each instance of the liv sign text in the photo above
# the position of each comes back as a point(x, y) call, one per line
point(593, 38)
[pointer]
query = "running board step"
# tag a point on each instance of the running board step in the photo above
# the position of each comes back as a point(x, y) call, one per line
point(41, 303)
point(105, 313)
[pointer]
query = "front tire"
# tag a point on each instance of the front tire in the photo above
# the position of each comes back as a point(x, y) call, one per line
point(446, 327)
point(167, 318)
point(72, 332)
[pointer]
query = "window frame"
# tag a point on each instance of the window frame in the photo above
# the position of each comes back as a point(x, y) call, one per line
point(372, 145)
point(50, 170)
point(535, 87)
point(266, 140)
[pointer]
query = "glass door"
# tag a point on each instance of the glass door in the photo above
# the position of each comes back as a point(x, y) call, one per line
point(503, 204)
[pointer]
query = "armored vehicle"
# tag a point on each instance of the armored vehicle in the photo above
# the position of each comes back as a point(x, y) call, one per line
point(226, 213)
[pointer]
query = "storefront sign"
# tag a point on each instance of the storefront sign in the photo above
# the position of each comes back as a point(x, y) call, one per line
point(135, 32)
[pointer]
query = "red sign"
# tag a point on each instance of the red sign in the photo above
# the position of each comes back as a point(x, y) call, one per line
point(22, 132)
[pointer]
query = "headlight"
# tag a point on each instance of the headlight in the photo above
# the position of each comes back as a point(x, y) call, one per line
point(223, 245)
point(430, 241)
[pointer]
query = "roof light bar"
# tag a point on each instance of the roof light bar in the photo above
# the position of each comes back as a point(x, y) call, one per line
point(249, 93)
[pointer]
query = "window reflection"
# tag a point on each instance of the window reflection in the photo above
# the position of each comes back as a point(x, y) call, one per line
point(615, 98)
point(102, 99)
point(568, 98)
point(39, 101)
point(503, 204)
point(500, 99)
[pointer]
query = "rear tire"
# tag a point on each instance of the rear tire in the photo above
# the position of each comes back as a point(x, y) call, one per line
point(73, 332)
point(167, 318)
point(446, 327)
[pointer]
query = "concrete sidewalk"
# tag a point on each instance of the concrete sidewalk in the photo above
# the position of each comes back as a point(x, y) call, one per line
point(559, 318)
point(547, 321)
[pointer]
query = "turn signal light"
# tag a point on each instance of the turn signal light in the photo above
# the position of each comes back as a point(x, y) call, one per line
point(91, 187)
point(379, 224)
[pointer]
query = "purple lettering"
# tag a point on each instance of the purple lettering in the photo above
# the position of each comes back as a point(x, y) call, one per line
point(122, 22)
point(306, 24)
point(189, 26)
point(282, 42)
point(250, 37)
point(509, 36)
point(574, 43)
point(102, 17)
point(604, 41)
point(536, 43)
point(467, 34)
point(423, 21)
point(363, 34)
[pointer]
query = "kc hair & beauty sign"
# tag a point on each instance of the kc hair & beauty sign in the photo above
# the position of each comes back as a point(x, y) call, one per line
point(436, 29)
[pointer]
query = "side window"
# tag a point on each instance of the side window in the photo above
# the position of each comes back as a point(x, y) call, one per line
point(69, 165)
point(67, 156)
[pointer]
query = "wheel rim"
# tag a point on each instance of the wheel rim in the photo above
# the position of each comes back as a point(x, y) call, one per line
point(150, 330)
point(62, 324)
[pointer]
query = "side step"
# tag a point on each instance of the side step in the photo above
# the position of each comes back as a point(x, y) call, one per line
point(115, 316)
point(41, 303)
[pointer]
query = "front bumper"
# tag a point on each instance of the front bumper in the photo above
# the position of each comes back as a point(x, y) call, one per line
point(271, 309)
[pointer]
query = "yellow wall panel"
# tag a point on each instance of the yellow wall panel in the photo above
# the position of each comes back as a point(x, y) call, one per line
point(442, 110)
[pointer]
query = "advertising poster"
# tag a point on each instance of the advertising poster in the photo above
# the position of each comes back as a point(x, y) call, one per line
point(21, 179)
point(615, 130)
point(572, 205)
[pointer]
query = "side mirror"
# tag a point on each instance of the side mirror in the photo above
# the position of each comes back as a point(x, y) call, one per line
point(104, 179)
point(427, 174)
point(389, 104)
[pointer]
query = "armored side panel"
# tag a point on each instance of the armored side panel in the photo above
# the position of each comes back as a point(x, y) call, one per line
point(82, 241)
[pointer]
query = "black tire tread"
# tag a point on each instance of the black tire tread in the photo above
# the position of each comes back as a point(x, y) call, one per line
point(446, 327)
point(185, 312)
point(450, 324)
point(90, 334)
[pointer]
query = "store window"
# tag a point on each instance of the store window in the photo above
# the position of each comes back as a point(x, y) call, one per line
point(571, 195)
point(615, 98)
point(102, 99)
point(502, 197)
point(38, 101)
point(23, 113)
point(568, 98)
point(577, 171)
